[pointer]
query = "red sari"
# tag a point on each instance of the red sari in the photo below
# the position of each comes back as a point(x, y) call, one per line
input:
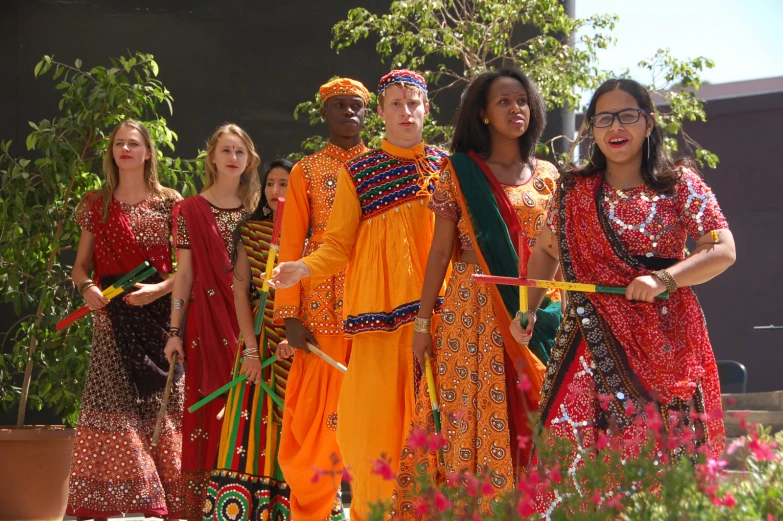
point(616, 361)
point(210, 343)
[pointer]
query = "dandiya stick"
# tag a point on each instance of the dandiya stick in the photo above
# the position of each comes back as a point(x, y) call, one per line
point(328, 359)
point(165, 402)
point(274, 244)
point(110, 292)
point(524, 305)
point(239, 379)
point(433, 398)
point(547, 284)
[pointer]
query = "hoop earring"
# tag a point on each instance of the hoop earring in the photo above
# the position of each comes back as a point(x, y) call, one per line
point(590, 155)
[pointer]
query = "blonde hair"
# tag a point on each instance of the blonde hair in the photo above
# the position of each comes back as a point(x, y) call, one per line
point(249, 185)
point(112, 172)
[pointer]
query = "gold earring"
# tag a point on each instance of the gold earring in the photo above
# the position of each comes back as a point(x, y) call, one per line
point(486, 121)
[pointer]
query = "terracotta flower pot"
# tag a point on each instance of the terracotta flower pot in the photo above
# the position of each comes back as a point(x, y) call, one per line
point(34, 466)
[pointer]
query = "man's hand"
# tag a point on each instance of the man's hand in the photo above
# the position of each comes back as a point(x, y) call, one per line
point(298, 335)
point(286, 274)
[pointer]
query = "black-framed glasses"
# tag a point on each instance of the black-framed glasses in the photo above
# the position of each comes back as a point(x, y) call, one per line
point(625, 117)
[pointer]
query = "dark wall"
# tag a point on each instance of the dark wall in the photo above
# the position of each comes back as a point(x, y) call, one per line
point(246, 61)
point(745, 133)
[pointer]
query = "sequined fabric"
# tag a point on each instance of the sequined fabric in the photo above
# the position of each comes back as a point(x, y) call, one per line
point(530, 200)
point(656, 225)
point(150, 222)
point(227, 220)
point(114, 468)
point(314, 182)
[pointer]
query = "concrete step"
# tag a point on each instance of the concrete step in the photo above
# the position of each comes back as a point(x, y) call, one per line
point(769, 401)
point(773, 419)
point(737, 476)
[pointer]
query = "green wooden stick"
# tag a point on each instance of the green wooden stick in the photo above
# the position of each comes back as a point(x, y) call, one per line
point(239, 379)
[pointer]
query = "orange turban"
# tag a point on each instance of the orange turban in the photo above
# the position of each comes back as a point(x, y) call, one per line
point(344, 87)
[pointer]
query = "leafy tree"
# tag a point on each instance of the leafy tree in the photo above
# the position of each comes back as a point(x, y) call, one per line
point(37, 234)
point(452, 41)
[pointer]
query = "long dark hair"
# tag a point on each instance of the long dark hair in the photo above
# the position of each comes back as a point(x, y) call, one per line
point(660, 172)
point(470, 133)
point(258, 213)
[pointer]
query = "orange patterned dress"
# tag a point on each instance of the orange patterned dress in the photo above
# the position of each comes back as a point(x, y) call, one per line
point(469, 359)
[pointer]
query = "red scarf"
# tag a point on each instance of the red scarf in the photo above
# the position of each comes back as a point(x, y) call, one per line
point(116, 250)
point(211, 319)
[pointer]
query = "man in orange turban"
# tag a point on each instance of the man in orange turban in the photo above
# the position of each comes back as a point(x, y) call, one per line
point(308, 452)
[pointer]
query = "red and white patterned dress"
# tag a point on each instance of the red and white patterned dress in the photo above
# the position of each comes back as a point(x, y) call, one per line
point(612, 358)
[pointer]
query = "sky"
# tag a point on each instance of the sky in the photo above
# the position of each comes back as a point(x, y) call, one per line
point(743, 38)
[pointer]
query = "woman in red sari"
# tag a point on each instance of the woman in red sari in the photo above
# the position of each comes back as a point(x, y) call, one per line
point(619, 362)
point(115, 470)
point(204, 228)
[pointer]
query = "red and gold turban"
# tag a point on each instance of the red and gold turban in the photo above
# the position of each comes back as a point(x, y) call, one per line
point(344, 87)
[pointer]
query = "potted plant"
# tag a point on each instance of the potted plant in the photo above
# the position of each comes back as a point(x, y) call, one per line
point(40, 367)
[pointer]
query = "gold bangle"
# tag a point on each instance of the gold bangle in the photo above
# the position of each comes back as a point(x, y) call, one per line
point(83, 285)
point(86, 287)
point(667, 279)
point(422, 325)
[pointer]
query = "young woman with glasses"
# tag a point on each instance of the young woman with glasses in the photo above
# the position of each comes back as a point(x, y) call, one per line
point(624, 369)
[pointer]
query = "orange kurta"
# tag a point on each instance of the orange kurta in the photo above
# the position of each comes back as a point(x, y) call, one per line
point(308, 439)
point(381, 229)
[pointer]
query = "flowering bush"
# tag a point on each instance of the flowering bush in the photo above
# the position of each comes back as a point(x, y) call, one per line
point(617, 479)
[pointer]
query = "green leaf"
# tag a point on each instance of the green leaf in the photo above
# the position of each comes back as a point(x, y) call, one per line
point(78, 63)
point(38, 67)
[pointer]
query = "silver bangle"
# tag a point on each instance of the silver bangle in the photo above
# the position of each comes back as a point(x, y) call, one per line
point(251, 354)
point(177, 303)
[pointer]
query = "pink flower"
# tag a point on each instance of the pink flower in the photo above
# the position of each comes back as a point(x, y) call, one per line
point(523, 442)
point(435, 442)
point(603, 441)
point(770, 517)
point(487, 488)
point(615, 501)
point(472, 485)
point(382, 468)
point(630, 408)
point(525, 508)
point(654, 418)
point(317, 473)
point(596, 499)
point(762, 450)
point(729, 501)
point(734, 445)
point(554, 474)
point(347, 477)
point(418, 438)
point(605, 400)
point(441, 502)
point(420, 507)
point(524, 384)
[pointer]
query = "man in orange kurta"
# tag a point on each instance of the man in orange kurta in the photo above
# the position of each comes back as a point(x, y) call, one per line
point(308, 454)
point(381, 229)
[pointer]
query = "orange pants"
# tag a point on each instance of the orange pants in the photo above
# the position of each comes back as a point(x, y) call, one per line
point(375, 410)
point(308, 442)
